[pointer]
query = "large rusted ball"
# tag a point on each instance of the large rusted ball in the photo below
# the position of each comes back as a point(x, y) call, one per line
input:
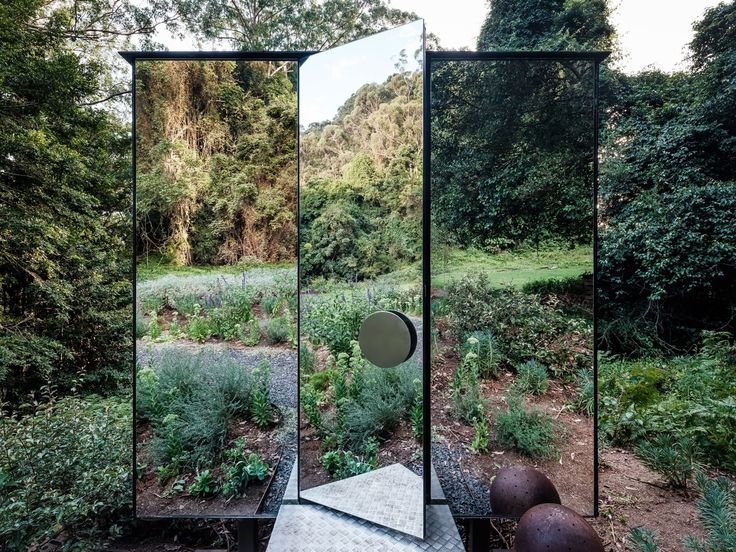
point(518, 488)
point(555, 528)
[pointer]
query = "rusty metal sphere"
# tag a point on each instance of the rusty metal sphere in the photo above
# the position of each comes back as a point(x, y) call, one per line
point(555, 528)
point(518, 488)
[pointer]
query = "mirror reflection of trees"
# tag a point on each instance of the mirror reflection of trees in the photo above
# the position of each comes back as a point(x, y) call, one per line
point(360, 251)
point(512, 284)
point(216, 285)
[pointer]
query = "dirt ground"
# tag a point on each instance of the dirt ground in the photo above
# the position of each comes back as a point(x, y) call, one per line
point(571, 472)
point(154, 499)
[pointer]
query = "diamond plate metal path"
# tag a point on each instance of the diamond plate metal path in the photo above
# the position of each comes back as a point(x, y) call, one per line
point(391, 496)
point(313, 528)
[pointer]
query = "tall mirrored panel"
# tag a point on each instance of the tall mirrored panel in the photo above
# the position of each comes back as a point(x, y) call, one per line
point(360, 119)
point(512, 260)
point(216, 286)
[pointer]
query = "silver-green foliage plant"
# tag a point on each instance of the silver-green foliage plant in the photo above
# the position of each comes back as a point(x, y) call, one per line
point(717, 512)
point(531, 378)
point(530, 431)
point(670, 457)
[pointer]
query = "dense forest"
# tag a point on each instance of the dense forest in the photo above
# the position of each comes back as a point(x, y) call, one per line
point(216, 161)
point(667, 251)
point(360, 204)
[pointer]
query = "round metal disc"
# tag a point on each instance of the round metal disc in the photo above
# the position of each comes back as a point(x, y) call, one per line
point(387, 338)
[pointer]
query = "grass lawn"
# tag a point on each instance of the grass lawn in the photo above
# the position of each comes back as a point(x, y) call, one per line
point(156, 266)
point(513, 268)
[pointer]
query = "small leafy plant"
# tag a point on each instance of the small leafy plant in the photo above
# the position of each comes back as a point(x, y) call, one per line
point(154, 328)
point(277, 330)
point(485, 346)
point(466, 398)
point(417, 412)
point(480, 439)
point(254, 333)
point(204, 485)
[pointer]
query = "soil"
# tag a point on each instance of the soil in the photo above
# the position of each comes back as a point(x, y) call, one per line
point(154, 499)
point(466, 476)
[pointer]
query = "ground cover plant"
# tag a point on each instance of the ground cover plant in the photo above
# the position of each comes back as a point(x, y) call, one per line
point(202, 418)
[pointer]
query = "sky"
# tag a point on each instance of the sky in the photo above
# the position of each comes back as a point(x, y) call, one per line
point(651, 34)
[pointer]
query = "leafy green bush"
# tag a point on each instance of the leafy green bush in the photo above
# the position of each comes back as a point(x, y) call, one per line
point(669, 457)
point(199, 327)
point(66, 468)
point(529, 431)
point(154, 328)
point(306, 359)
point(278, 330)
point(531, 378)
point(690, 397)
point(147, 404)
point(238, 472)
point(254, 333)
point(140, 324)
point(417, 411)
point(523, 327)
point(343, 464)
point(485, 346)
point(335, 321)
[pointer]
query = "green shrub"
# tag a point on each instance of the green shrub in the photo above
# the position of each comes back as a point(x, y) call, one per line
point(199, 327)
point(261, 409)
point(174, 327)
point(523, 327)
point(467, 402)
point(204, 486)
point(671, 458)
point(310, 400)
point(335, 321)
point(238, 472)
point(691, 397)
point(531, 378)
point(66, 468)
point(485, 346)
point(529, 431)
point(343, 464)
point(277, 330)
point(153, 304)
point(556, 286)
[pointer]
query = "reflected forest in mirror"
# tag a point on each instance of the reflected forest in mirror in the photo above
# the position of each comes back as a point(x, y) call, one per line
point(512, 276)
point(216, 285)
point(360, 252)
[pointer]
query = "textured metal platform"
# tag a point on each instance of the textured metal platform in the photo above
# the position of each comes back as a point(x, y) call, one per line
point(391, 496)
point(312, 528)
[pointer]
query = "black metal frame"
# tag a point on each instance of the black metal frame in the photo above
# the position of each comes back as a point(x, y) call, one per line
point(596, 58)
